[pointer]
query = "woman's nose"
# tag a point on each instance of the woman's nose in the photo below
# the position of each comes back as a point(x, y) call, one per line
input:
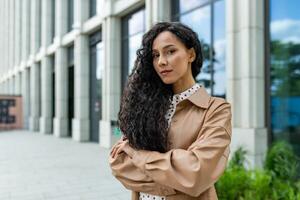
point(162, 61)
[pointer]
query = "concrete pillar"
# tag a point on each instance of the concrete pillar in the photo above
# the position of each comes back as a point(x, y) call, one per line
point(81, 122)
point(5, 25)
point(11, 33)
point(26, 97)
point(17, 87)
point(61, 94)
point(5, 87)
point(61, 72)
point(46, 71)
point(25, 30)
point(46, 96)
point(34, 97)
point(12, 85)
point(111, 79)
point(18, 21)
point(35, 27)
point(157, 11)
point(245, 76)
point(1, 39)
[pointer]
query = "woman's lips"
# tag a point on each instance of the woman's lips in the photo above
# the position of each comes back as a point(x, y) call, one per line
point(165, 72)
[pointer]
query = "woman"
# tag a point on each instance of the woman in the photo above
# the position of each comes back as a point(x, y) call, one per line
point(176, 137)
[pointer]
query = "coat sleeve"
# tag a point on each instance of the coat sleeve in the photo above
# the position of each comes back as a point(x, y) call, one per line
point(194, 170)
point(134, 179)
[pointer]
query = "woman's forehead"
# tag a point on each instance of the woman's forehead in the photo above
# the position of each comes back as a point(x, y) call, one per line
point(165, 39)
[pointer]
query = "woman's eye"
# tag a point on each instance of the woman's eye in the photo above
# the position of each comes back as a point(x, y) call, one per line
point(170, 52)
point(155, 55)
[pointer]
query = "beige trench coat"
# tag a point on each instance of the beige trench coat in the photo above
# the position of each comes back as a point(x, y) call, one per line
point(199, 136)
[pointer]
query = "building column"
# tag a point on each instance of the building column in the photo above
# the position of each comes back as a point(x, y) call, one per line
point(61, 72)
point(17, 34)
point(81, 122)
point(25, 31)
point(12, 85)
point(111, 79)
point(46, 71)
point(157, 11)
point(46, 95)
point(245, 76)
point(6, 87)
point(11, 34)
point(17, 87)
point(61, 94)
point(26, 97)
point(34, 97)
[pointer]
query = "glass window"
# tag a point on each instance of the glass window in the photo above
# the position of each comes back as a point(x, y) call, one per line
point(53, 19)
point(207, 18)
point(285, 71)
point(70, 14)
point(96, 77)
point(219, 41)
point(95, 7)
point(185, 6)
point(133, 28)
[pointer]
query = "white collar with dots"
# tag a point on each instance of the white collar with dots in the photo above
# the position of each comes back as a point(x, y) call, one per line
point(177, 98)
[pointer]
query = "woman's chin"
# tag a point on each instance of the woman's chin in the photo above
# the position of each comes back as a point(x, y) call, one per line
point(168, 81)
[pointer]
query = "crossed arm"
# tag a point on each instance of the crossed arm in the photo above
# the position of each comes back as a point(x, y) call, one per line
point(190, 171)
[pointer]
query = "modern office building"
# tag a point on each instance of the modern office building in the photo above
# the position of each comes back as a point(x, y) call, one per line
point(69, 59)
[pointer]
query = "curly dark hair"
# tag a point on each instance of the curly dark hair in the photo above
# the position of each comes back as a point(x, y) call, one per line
point(146, 99)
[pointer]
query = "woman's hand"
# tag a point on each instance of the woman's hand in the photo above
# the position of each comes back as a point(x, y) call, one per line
point(122, 146)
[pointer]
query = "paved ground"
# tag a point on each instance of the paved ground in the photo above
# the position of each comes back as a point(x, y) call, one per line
point(34, 166)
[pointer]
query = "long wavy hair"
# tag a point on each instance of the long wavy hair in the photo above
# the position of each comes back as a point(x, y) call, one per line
point(146, 99)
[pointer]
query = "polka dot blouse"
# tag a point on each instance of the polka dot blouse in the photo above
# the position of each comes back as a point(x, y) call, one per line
point(177, 98)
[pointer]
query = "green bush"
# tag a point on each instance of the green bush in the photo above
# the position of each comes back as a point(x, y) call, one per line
point(282, 161)
point(277, 181)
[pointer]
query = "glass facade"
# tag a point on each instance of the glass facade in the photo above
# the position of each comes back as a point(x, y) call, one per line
point(133, 28)
point(70, 14)
point(70, 88)
point(285, 71)
point(207, 18)
point(53, 19)
point(96, 77)
point(94, 7)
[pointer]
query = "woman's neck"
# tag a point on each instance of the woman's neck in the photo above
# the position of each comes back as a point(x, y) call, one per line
point(181, 86)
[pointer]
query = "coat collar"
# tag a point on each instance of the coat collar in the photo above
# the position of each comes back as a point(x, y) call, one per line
point(200, 98)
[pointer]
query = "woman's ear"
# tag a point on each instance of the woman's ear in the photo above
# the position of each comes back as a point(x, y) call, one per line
point(192, 55)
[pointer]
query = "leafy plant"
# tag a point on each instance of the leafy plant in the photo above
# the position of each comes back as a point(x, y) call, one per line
point(282, 161)
point(274, 182)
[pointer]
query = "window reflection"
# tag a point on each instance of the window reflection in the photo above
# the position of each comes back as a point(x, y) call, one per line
point(285, 71)
point(134, 44)
point(95, 7)
point(99, 77)
point(185, 5)
point(199, 21)
point(133, 28)
point(219, 76)
point(70, 14)
point(136, 23)
point(211, 31)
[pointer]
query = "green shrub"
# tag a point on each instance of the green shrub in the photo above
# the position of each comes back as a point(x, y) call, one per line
point(277, 181)
point(282, 161)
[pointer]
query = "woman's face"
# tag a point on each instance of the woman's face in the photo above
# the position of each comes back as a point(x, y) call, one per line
point(171, 59)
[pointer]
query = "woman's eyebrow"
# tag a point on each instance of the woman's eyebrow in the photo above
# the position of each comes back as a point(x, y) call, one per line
point(165, 47)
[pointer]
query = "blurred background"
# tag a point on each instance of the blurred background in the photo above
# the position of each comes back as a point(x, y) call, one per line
point(68, 61)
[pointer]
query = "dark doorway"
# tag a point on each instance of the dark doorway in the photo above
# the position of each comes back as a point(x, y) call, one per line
point(70, 89)
point(96, 74)
point(53, 91)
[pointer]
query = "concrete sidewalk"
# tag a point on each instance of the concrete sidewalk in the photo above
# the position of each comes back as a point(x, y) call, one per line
point(34, 166)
